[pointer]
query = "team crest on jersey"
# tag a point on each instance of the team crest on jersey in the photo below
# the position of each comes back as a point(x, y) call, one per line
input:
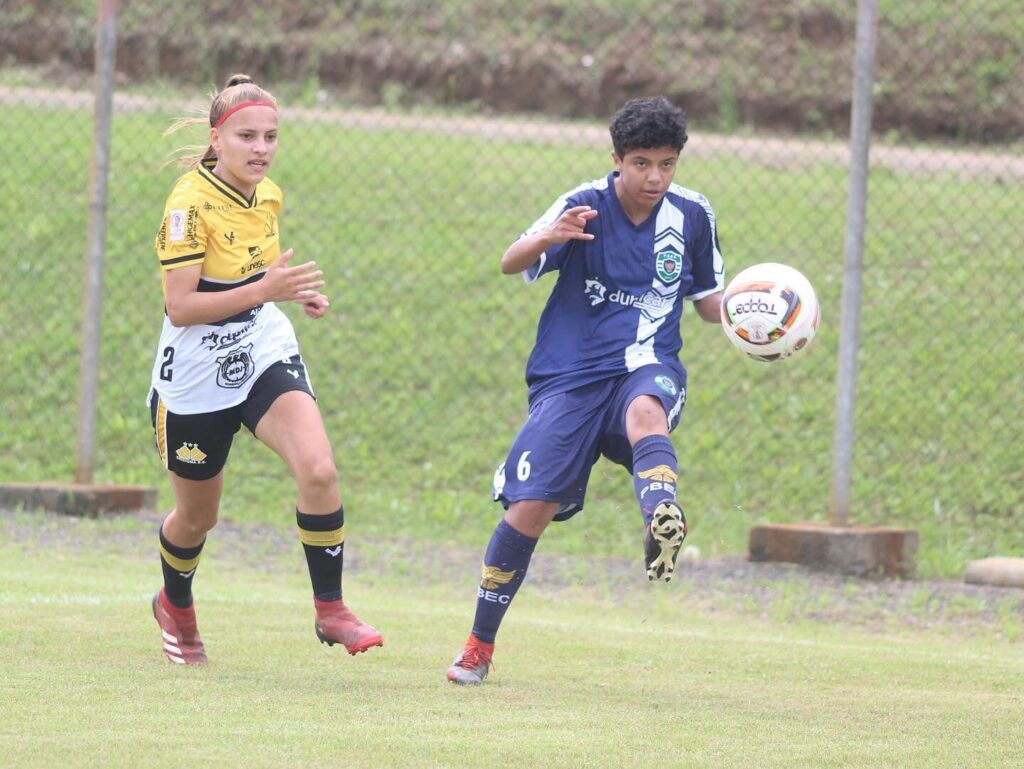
point(665, 383)
point(669, 265)
point(236, 368)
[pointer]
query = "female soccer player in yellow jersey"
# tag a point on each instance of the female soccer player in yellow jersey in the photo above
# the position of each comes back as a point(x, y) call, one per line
point(228, 356)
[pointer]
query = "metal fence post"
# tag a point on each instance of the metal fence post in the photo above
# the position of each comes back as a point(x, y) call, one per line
point(856, 221)
point(106, 45)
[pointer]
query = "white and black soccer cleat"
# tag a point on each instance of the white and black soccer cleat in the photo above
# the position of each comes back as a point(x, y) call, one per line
point(662, 541)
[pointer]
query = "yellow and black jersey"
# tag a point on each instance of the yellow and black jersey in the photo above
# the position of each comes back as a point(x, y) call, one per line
point(207, 222)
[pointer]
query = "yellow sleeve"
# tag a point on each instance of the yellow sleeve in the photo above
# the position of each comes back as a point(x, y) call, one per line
point(181, 240)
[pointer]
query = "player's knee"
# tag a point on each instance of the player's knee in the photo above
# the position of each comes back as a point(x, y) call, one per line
point(646, 414)
point(530, 517)
point(196, 521)
point(319, 473)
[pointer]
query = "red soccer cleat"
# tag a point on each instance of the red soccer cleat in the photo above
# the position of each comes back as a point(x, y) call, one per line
point(182, 643)
point(335, 623)
point(473, 664)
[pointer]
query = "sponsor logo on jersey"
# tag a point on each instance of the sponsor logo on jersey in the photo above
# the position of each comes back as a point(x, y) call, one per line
point(236, 368)
point(254, 251)
point(669, 265)
point(594, 291)
point(192, 227)
point(650, 301)
point(665, 383)
point(492, 577)
point(191, 454)
point(252, 267)
point(230, 238)
point(218, 340)
point(176, 217)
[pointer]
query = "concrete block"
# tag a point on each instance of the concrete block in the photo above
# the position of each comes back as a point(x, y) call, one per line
point(998, 570)
point(86, 500)
point(855, 550)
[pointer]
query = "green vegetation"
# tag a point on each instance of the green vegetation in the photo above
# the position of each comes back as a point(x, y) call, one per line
point(582, 680)
point(945, 68)
point(419, 364)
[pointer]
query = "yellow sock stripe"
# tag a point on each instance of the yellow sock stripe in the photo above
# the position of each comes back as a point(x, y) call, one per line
point(179, 564)
point(322, 538)
point(161, 431)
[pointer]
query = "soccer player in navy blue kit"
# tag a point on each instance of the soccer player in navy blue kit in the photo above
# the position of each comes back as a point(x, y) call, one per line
point(604, 376)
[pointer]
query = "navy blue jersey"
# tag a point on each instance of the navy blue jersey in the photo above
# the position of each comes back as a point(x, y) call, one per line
point(618, 300)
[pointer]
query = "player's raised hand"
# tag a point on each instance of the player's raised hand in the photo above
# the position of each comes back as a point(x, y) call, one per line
point(571, 225)
point(284, 283)
point(527, 249)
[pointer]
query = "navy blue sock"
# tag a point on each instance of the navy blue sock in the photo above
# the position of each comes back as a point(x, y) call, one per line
point(655, 470)
point(505, 562)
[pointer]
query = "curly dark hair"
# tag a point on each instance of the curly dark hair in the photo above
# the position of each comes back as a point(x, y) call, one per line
point(646, 123)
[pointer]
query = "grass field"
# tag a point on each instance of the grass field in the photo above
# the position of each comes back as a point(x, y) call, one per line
point(588, 674)
point(419, 365)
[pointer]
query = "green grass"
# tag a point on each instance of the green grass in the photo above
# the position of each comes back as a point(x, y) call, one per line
point(581, 679)
point(419, 364)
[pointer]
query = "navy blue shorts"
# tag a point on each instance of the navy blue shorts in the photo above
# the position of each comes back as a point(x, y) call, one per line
point(196, 446)
point(565, 434)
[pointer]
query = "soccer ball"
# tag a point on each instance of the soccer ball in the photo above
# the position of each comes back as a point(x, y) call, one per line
point(769, 311)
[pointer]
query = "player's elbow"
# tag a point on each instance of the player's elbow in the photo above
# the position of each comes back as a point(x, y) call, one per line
point(509, 264)
point(710, 308)
point(176, 314)
point(518, 259)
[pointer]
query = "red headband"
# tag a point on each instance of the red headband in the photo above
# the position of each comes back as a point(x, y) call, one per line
point(243, 105)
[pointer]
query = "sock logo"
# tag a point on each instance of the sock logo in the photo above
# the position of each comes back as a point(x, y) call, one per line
point(334, 552)
point(492, 577)
point(186, 574)
point(662, 473)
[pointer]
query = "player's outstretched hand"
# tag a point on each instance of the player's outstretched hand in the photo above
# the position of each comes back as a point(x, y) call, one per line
point(571, 225)
point(284, 283)
point(316, 307)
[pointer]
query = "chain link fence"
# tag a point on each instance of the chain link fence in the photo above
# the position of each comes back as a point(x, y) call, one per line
point(419, 139)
